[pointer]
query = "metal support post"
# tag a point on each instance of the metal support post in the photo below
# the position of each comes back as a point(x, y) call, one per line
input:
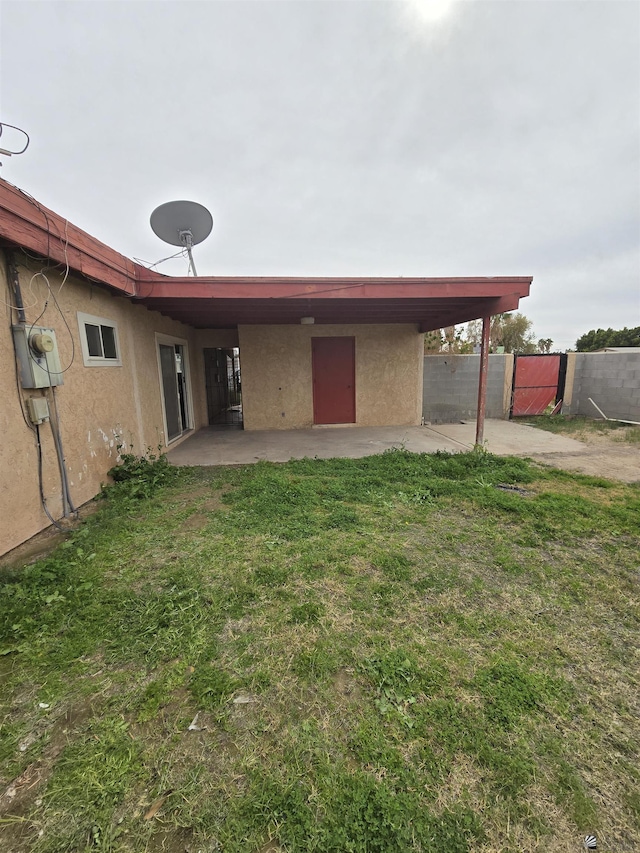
point(482, 382)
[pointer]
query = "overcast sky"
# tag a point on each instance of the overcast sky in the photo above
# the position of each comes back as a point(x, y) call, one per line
point(347, 138)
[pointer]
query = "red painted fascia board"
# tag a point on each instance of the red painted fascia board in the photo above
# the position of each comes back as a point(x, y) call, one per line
point(329, 288)
point(27, 223)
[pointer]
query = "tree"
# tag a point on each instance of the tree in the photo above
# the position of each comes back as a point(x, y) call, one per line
point(433, 341)
point(600, 338)
point(514, 333)
point(451, 340)
point(511, 331)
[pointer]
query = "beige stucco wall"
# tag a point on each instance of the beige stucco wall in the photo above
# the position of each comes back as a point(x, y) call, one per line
point(99, 407)
point(569, 381)
point(277, 383)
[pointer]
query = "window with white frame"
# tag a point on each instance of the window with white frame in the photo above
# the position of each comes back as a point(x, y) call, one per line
point(99, 341)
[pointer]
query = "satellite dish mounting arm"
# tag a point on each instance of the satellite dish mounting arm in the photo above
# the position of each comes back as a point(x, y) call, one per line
point(186, 237)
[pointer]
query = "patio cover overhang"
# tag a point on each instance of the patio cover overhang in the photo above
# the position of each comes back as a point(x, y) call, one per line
point(430, 303)
point(226, 302)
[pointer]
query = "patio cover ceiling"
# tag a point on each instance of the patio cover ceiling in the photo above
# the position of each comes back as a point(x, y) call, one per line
point(430, 303)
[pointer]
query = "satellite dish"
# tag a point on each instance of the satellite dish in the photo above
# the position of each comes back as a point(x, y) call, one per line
point(182, 223)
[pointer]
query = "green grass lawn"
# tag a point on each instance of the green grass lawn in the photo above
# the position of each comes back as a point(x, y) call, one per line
point(398, 653)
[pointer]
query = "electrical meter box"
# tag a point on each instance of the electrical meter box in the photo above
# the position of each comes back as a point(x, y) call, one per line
point(38, 358)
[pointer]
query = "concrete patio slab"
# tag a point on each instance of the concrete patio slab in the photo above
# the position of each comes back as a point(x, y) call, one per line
point(506, 438)
point(211, 446)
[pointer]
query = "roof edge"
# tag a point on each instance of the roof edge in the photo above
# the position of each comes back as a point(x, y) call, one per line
point(26, 223)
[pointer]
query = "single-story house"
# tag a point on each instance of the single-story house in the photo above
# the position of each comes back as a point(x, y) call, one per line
point(101, 353)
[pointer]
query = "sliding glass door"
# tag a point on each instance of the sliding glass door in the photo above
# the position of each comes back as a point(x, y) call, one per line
point(173, 362)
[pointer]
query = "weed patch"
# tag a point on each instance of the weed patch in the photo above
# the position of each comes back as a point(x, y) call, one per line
point(140, 476)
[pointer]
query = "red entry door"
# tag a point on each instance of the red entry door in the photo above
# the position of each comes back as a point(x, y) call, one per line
point(333, 364)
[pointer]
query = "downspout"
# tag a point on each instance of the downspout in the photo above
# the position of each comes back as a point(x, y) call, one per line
point(482, 382)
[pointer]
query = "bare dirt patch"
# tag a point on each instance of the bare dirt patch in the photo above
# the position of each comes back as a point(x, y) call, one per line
point(171, 840)
point(605, 455)
point(195, 522)
point(346, 686)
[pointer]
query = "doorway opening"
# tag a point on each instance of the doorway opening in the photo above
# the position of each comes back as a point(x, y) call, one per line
point(224, 387)
point(176, 392)
point(538, 382)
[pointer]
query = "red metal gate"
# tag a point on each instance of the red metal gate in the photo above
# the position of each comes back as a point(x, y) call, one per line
point(535, 384)
point(333, 362)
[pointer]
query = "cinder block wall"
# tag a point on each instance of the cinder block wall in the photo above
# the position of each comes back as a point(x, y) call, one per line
point(612, 380)
point(451, 387)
